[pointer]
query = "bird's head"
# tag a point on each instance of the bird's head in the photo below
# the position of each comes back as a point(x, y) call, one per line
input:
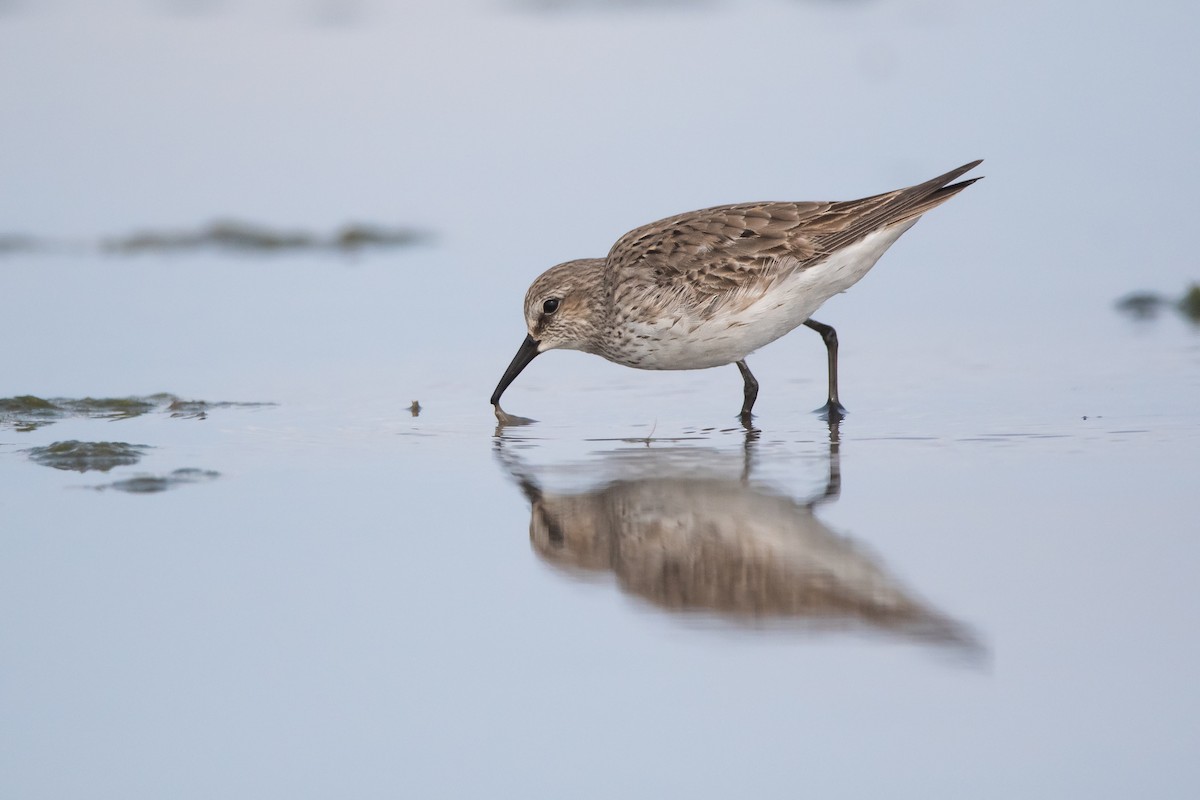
point(563, 310)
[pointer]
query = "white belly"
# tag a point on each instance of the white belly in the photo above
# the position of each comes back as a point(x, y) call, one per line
point(697, 343)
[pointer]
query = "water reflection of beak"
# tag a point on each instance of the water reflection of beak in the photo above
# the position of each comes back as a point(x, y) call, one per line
point(528, 351)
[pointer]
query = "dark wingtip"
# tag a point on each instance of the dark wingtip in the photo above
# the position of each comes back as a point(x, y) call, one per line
point(942, 180)
point(963, 169)
point(958, 187)
point(916, 200)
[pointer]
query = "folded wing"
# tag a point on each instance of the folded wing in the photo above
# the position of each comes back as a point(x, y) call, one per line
point(734, 254)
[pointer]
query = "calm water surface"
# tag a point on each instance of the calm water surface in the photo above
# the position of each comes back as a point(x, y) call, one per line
point(243, 568)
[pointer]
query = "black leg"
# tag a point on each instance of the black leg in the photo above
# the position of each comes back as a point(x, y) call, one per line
point(750, 389)
point(833, 409)
point(833, 487)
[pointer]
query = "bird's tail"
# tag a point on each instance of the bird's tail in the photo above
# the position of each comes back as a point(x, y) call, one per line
point(916, 200)
point(901, 205)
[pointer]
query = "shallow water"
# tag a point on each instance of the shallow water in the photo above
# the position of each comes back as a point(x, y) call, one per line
point(234, 563)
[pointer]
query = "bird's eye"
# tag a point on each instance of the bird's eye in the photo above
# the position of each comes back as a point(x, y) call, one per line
point(550, 306)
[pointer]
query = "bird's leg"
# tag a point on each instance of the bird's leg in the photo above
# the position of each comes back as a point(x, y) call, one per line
point(748, 444)
point(833, 409)
point(750, 390)
point(833, 486)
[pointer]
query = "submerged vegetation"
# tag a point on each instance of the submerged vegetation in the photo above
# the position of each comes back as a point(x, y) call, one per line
point(147, 484)
point(229, 235)
point(1189, 304)
point(17, 244)
point(1148, 305)
point(87, 456)
point(248, 237)
point(28, 413)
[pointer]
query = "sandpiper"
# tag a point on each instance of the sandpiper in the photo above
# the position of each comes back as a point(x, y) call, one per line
point(709, 287)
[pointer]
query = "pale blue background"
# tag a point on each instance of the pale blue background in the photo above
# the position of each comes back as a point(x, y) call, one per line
point(353, 609)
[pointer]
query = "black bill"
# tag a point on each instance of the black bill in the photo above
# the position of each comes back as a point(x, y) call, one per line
point(528, 351)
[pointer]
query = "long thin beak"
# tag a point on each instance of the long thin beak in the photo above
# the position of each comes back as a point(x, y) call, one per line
point(528, 351)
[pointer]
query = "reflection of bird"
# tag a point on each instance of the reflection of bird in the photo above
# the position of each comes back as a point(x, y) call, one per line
point(724, 546)
point(709, 287)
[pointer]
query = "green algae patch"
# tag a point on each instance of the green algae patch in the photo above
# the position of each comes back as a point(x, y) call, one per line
point(354, 237)
point(198, 409)
point(234, 236)
point(25, 404)
point(1148, 305)
point(1189, 304)
point(110, 407)
point(11, 244)
point(1141, 305)
point(247, 237)
point(150, 484)
point(28, 412)
point(79, 456)
point(225, 234)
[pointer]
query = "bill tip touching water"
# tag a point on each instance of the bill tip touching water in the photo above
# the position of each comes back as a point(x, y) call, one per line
point(707, 288)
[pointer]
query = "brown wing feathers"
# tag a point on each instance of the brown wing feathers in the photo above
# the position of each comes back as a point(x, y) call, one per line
point(739, 248)
point(895, 207)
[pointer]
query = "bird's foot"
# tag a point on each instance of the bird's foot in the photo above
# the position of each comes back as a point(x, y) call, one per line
point(832, 411)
